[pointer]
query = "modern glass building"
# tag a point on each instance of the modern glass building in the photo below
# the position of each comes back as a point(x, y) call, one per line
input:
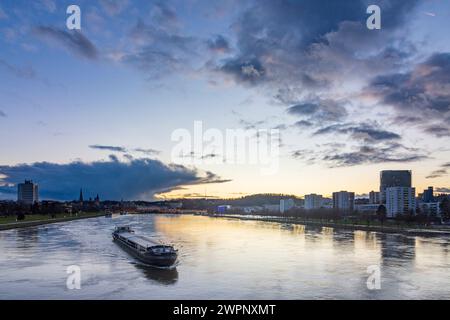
point(393, 178)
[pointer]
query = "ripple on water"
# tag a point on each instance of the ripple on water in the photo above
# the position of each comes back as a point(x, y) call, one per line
point(221, 259)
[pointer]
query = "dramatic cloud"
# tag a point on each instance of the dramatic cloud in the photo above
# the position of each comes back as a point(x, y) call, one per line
point(438, 131)
point(364, 132)
point(319, 111)
point(108, 148)
point(303, 44)
point(303, 124)
point(244, 71)
point(437, 174)
point(442, 190)
point(424, 90)
point(159, 51)
point(303, 109)
point(316, 58)
point(74, 41)
point(146, 151)
point(218, 44)
point(367, 155)
point(441, 172)
point(363, 143)
point(336, 155)
point(136, 179)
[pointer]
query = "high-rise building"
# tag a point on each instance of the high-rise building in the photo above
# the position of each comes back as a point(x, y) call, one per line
point(393, 178)
point(374, 197)
point(313, 201)
point(343, 200)
point(400, 200)
point(428, 195)
point(27, 192)
point(286, 204)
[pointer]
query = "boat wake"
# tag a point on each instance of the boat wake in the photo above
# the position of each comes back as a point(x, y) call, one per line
point(142, 264)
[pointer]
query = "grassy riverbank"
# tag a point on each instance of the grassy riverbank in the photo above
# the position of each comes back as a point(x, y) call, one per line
point(38, 219)
point(402, 228)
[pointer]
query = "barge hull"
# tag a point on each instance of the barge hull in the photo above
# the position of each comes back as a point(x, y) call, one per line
point(156, 261)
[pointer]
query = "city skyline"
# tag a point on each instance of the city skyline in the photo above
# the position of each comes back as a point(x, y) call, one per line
point(373, 196)
point(101, 104)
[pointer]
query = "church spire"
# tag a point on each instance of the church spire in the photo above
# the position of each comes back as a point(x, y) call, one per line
point(81, 195)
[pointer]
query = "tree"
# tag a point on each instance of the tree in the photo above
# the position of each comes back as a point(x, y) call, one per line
point(381, 213)
point(35, 208)
point(410, 216)
point(445, 208)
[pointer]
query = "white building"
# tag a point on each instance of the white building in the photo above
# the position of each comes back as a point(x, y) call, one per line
point(27, 192)
point(343, 200)
point(313, 201)
point(286, 204)
point(400, 200)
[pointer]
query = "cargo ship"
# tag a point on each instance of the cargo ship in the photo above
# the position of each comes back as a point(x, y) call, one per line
point(146, 250)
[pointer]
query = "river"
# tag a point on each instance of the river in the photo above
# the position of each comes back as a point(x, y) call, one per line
point(222, 259)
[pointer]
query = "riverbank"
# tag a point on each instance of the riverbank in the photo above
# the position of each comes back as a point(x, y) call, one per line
point(33, 223)
point(401, 229)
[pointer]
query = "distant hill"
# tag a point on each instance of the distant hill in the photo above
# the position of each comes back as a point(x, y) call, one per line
point(260, 199)
point(250, 200)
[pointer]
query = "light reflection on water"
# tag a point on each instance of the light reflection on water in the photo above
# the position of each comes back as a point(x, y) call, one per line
point(221, 259)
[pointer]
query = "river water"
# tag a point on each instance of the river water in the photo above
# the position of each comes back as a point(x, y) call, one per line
point(222, 259)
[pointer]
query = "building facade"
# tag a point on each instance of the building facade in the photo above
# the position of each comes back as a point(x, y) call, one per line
point(374, 197)
point(393, 178)
point(313, 201)
point(343, 200)
point(428, 195)
point(367, 208)
point(400, 200)
point(286, 204)
point(27, 192)
point(430, 208)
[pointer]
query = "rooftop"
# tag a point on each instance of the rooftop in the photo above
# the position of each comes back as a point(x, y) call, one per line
point(140, 240)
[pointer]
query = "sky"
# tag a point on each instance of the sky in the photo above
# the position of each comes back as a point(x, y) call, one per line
point(101, 108)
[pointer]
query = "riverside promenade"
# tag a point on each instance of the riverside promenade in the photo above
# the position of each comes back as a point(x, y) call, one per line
point(33, 223)
point(387, 228)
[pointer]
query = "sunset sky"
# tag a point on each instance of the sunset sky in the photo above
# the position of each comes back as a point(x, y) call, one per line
point(96, 108)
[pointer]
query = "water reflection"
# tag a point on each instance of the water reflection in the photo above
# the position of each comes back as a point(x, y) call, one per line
point(27, 237)
point(221, 259)
point(162, 276)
